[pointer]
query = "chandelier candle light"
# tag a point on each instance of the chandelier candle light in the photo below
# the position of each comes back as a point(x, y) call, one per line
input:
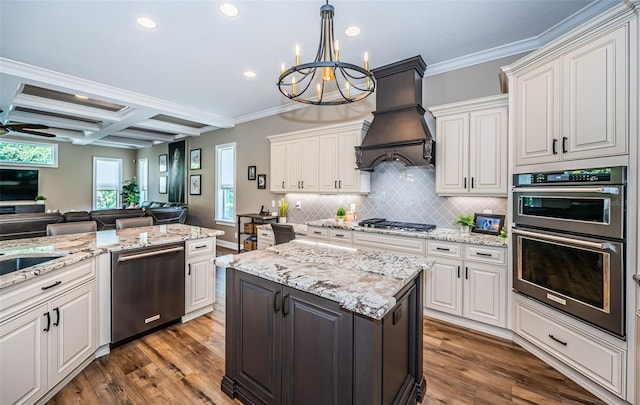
point(327, 72)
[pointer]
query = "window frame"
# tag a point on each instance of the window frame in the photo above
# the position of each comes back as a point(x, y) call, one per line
point(220, 188)
point(53, 146)
point(96, 159)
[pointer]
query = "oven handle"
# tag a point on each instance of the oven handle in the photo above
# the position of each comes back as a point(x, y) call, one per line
point(598, 190)
point(593, 245)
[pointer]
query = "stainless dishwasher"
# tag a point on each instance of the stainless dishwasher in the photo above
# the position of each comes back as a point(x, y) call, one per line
point(147, 289)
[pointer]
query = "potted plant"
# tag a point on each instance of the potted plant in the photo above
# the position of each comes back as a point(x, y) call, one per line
point(340, 213)
point(465, 222)
point(130, 193)
point(40, 199)
point(282, 211)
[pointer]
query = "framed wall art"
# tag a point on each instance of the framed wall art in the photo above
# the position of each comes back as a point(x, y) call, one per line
point(194, 184)
point(194, 158)
point(262, 181)
point(162, 163)
point(251, 173)
point(177, 171)
point(162, 185)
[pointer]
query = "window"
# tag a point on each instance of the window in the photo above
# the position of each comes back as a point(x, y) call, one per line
point(226, 182)
point(107, 182)
point(25, 153)
point(143, 179)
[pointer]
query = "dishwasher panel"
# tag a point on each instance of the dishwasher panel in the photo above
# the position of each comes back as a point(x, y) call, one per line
point(147, 289)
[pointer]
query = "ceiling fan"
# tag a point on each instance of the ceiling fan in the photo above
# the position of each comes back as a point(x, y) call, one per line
point(24, 128)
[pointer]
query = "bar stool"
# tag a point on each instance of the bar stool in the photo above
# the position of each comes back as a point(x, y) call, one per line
point(122, 223)
point(67, 228)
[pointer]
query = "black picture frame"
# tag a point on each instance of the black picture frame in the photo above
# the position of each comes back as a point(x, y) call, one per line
point(195, 184)
point(262, 181)
point(162, 163)
point(162, 185)
point(489, 224)
point(251, 173)
point(194, 159)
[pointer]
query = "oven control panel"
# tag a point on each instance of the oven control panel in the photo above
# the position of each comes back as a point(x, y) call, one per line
point(607, 175)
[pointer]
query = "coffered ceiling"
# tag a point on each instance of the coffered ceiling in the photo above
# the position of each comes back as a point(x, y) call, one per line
point(88, 71)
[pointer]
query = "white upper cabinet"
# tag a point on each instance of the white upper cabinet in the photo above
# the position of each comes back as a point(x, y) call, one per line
point(471, 147)
point(572, 105)
point(318, 160)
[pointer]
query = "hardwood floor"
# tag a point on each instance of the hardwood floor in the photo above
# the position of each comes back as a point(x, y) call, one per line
point(184, 364)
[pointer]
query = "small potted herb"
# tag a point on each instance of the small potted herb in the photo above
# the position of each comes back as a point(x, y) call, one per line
point(40, 199)
point(465, 222)
point(340, 213)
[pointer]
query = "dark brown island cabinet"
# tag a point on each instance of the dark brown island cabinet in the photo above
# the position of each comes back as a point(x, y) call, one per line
point(286, 346)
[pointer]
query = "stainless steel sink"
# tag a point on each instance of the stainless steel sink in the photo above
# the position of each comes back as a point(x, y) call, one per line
point(18, 263)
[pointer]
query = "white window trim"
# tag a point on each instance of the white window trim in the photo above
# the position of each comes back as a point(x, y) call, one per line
point(53, 146)
point(218, 220)
point(93, 185)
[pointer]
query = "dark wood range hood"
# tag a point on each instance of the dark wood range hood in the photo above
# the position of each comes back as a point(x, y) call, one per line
point(399, 130)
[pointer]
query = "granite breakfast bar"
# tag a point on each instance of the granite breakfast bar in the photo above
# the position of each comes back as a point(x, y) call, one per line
point(309, 322)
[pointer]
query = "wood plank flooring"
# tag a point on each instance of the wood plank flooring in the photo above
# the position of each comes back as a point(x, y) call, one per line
point(184, 364)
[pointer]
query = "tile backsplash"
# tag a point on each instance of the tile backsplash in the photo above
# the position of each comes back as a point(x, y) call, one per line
point(398, 193)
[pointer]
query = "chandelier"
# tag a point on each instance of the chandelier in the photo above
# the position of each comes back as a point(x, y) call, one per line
point(311, 83)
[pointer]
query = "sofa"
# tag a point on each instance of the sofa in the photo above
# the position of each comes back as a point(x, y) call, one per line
point(32, 225)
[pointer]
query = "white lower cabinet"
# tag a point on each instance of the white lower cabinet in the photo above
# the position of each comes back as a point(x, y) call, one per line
point(468, 281)
point(265, 238)
point(40, 346)
point(199, 277)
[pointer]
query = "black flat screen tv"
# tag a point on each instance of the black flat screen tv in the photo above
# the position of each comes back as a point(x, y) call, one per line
point(18, 184)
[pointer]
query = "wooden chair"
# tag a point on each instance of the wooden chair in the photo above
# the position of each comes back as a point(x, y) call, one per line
point(122, 223)
point(283, 233)
point(66, 228)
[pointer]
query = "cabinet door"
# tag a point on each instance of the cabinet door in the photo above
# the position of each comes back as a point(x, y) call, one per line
point(316, 350)
point(73, 331)
point(485, 293)
point(488, 151)
point(200, 283)
point(292, 166)
point(257, 321)
point(348, 175)
point(23, 357)
point(452, 154)
point(595, 94)
point(444, 286)
point(537, 104)
point(278, 166)
point(328, 172)
point(309, 164)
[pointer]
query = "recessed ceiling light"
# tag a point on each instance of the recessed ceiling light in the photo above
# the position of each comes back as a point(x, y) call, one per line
point(80, 96)
point(250, 74)
point(228, 9)
point(146, 22)
point(352, 31)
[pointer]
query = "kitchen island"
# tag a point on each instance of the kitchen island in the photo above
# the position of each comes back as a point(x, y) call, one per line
point(309, 322)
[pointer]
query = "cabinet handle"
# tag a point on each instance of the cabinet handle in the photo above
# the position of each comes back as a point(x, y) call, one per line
point(57, 311)
point(200, 247)
point(282, 184)
point(465, 182)
point(189, 267)
point(335, 184)
point(483, 254)
point(302, 184)
point(317, 233)
point(298, 183)
point(285, 305)
point(554, 147)
point(557, 340)
point(339, 235)
point(48, 322)
point(52, 285)
point(472, 182)
point(466, 273)
point(458, 271)
point(339, 183)
point(445, 249)
point(564, 144)
point(276, 301)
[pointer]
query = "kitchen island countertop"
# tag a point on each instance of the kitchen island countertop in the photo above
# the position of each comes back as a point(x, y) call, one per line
point(361, 281)
point(445, 234)
point(77, 247)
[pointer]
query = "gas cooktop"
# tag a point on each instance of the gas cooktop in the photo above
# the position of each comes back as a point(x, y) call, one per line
point(381, 223)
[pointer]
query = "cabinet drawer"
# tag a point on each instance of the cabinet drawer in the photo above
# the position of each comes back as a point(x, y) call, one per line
point(391, 243)
point(265, 235)
point(318, 232)
point(485, 254)
point(444, 249)
point(592, 356)
point(199, 246)
point(340, 236)
point(45, 286)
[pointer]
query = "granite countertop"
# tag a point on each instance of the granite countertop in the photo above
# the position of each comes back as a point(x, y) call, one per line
point(77, 247)
point(362, 281)
point(299, 229)
point(445, 234)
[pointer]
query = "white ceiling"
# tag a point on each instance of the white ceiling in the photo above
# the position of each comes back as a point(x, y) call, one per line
point(191, 66)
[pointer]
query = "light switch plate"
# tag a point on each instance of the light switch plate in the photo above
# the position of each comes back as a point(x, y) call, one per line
point(487, 211)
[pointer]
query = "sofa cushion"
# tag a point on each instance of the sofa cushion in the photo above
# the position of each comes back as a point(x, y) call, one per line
point(168, 215)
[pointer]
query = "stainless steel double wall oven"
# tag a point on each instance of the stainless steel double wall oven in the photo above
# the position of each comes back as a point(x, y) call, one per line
point(569, 242)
